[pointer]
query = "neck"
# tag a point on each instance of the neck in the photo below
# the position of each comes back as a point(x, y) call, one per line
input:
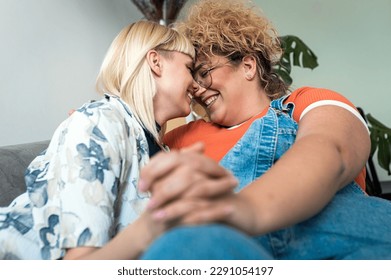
point(253, 108)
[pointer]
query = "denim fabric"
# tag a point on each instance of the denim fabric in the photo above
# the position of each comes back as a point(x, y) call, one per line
point(266, 140)
point(352, 226)
point(217, 242)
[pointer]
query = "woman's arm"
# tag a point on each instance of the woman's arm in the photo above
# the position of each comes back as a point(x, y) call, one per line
point(331, 148)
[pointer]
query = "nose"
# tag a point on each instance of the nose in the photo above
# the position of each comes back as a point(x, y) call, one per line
point(197, 89)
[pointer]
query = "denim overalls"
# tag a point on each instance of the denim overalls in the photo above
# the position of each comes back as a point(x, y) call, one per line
point(352, 226)
point(266, 140)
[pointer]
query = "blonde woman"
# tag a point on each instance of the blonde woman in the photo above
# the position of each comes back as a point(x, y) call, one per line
point(81, 200)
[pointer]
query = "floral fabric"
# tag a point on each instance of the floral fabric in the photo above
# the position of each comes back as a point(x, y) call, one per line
point(82, 190)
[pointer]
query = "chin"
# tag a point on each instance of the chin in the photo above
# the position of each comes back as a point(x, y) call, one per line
point(216, 120)
point(186, 112)
point(219, 119)
point(183, 113)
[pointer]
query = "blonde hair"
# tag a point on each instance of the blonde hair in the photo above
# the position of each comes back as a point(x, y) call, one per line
point(235, 29)
point(125, 71)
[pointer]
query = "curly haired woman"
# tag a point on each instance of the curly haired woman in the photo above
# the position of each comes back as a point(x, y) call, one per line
point(299, 156)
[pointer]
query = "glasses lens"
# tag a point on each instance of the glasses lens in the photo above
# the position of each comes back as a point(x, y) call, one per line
point(203, 78)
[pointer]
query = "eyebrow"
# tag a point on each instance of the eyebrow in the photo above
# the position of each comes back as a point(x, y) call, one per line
point(199, 66)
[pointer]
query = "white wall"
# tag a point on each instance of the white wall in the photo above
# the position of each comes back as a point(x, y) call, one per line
point(51, 50)
point(50, 53)
point(352, 39)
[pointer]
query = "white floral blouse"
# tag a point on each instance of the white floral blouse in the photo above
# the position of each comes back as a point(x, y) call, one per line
point(82, 190)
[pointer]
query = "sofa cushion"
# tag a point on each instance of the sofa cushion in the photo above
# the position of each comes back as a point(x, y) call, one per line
point(14, 160)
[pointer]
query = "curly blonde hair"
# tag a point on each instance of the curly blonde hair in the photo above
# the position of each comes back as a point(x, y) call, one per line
point(235, 29)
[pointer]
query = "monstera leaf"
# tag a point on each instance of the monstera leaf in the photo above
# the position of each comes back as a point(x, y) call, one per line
point(165, 11)
point(381, 141)
point(296, 53)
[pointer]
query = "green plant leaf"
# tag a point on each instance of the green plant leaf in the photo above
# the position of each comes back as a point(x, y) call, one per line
point(380, 141)
point(384, 154)
point(374, 140)
point(302, 55)
point(296, 53)
point(284, 75)
point(374, 122)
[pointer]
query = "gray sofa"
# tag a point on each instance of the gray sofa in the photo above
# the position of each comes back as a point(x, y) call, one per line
point(14, 160)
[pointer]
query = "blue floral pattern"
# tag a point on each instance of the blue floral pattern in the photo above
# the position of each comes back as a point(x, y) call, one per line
point(94, 161)
point(83, 189)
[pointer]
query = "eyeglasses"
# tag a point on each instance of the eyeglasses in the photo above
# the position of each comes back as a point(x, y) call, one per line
point(203, 76)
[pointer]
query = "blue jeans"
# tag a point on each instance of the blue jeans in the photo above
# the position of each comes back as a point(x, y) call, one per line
point(352, 226)
point(205, 242)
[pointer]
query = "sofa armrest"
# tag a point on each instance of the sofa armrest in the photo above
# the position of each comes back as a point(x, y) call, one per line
point(14, 160)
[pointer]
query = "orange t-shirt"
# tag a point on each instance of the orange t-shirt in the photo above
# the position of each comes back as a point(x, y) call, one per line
point(219, 140)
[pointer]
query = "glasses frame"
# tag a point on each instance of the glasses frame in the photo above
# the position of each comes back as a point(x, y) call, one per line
point(207, 74)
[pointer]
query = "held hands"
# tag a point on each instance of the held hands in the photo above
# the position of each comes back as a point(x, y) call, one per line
point(187, 187)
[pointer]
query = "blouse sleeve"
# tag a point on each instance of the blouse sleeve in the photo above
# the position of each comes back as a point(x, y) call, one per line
point(73, 186)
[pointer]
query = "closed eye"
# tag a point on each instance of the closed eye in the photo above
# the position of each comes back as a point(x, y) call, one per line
point(204, 73)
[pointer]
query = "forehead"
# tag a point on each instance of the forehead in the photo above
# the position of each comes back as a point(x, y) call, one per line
point(206, 61)
point(177, 59)
point(182, 57)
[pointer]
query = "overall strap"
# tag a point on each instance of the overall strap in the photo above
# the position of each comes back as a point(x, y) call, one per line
point(254, 153)
point(278, 105)
point(266, 140)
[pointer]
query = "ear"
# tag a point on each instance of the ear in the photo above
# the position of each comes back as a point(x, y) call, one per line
point(154, 61)
point(250, 67)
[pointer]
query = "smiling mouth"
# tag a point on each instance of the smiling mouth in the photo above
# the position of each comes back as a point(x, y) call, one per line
point(210, 100)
